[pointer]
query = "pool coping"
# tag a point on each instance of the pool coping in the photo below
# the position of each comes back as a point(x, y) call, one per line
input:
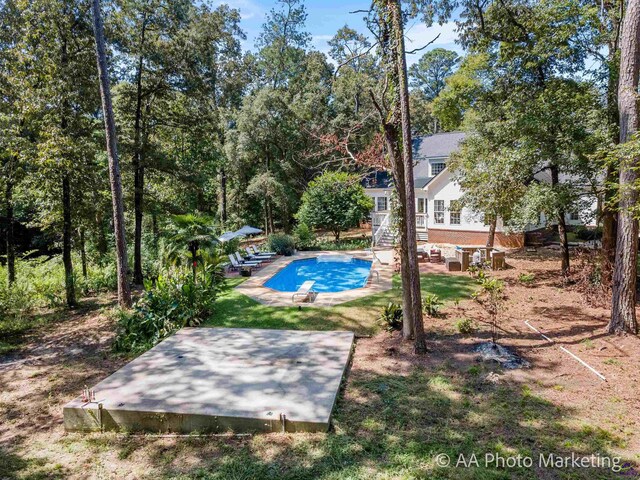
point(254, 287)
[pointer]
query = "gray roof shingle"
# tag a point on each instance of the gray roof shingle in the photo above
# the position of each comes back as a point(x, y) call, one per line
point(439, 145)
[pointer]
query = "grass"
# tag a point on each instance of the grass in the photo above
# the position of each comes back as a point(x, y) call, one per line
point(390, 422)
point(361, 316)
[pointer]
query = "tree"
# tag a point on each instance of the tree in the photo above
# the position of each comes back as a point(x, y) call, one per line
point(124, 293)
point(282, 42)
point(491, 177)
point(194, 233)
point(522, 80)
point(623, 304)
point(13, 141)
point(334, 201)
point(431, 71)
point(62, 99)
point(352, 52)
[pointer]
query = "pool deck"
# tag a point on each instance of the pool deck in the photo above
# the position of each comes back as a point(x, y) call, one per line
point(254, 288)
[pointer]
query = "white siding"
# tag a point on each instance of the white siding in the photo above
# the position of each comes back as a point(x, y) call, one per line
point(442, 188)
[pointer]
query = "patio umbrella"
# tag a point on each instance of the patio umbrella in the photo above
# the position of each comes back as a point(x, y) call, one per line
point(226, 236)
point(248, 230)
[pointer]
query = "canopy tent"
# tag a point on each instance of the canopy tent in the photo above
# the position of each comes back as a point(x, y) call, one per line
point(248, 230)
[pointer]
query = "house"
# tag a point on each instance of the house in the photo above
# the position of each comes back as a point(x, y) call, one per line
point(439, 216)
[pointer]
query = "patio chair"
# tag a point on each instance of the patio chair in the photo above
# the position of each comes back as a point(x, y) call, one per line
point(258, 252)
point(235, 265)
point(258, 256)
point(243, 261)
point(305, 291)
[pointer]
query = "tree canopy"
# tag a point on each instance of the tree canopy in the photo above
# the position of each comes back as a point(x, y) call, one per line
point(334, 201)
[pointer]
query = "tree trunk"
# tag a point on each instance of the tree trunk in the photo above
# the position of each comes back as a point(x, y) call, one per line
point(154, 229)
point(66, 202)
point(562, 225)
point(564, 242)
point(609, 213)
point(407, 158)
point(138, 205)
point(623, 302)
point(67, 230)
point(101, 241)
point(124, 292)
point(83, 253)
point(492, 232)
point(223, 202)
point(390, 125)
point(194, 261)
point(10, 239)
point(138, 174)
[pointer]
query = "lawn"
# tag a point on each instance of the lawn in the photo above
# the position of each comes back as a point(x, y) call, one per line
point(396, 413)
point(361, 316)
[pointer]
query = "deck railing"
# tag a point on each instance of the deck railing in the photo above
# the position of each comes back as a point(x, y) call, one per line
point(383, 227)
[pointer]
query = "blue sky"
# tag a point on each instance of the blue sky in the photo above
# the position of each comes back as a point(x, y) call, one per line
point(325, 17)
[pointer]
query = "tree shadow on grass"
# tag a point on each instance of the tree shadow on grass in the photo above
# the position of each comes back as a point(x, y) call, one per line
point(389, 424)
point(395, 426)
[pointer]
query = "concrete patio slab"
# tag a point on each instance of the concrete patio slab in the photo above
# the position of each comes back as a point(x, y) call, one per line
point(222, 379)
point(254, 286)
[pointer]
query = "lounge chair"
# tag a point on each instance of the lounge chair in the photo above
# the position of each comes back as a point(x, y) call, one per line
point(258, 256)
point(244, 261)
point(305, 291)
point(235, 265)
point(258, 252)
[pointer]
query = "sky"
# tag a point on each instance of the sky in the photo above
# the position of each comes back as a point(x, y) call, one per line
point(325, 17)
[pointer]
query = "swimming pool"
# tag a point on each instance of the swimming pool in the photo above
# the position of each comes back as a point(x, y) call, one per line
point(331, 274)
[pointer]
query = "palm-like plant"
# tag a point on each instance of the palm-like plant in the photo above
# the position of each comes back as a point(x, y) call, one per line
point(193, 233)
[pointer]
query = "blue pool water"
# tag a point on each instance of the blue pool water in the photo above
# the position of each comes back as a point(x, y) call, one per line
point(329, 275)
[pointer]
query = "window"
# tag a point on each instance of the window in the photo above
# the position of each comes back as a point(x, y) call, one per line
point(438, 211)
point(381, 204)
point(454, 212)
point(575, 216)
point(422, 205)
point(436, 168)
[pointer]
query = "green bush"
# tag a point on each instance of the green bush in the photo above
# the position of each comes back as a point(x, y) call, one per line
point(585, 233)
point(304, 236)
point(346, 244)
point(465, 326)
point(391, 316)
point(173, 302)
point(281, 244)
point(230, 247)
point(99, 279)
point(431, 304)
point(527, 278)
point(334, 201)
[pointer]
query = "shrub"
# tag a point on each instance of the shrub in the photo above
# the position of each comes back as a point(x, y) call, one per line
point(335, 201)
point(527, 278)
point(391, 316)
point(465, 326)
point(99, 279)
point(490, 296)
point(585, 233)
point(431, 305)
point(173, 302)
point(304, 236)
point(230, 247)
point(281, 244)
point(346, 244)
